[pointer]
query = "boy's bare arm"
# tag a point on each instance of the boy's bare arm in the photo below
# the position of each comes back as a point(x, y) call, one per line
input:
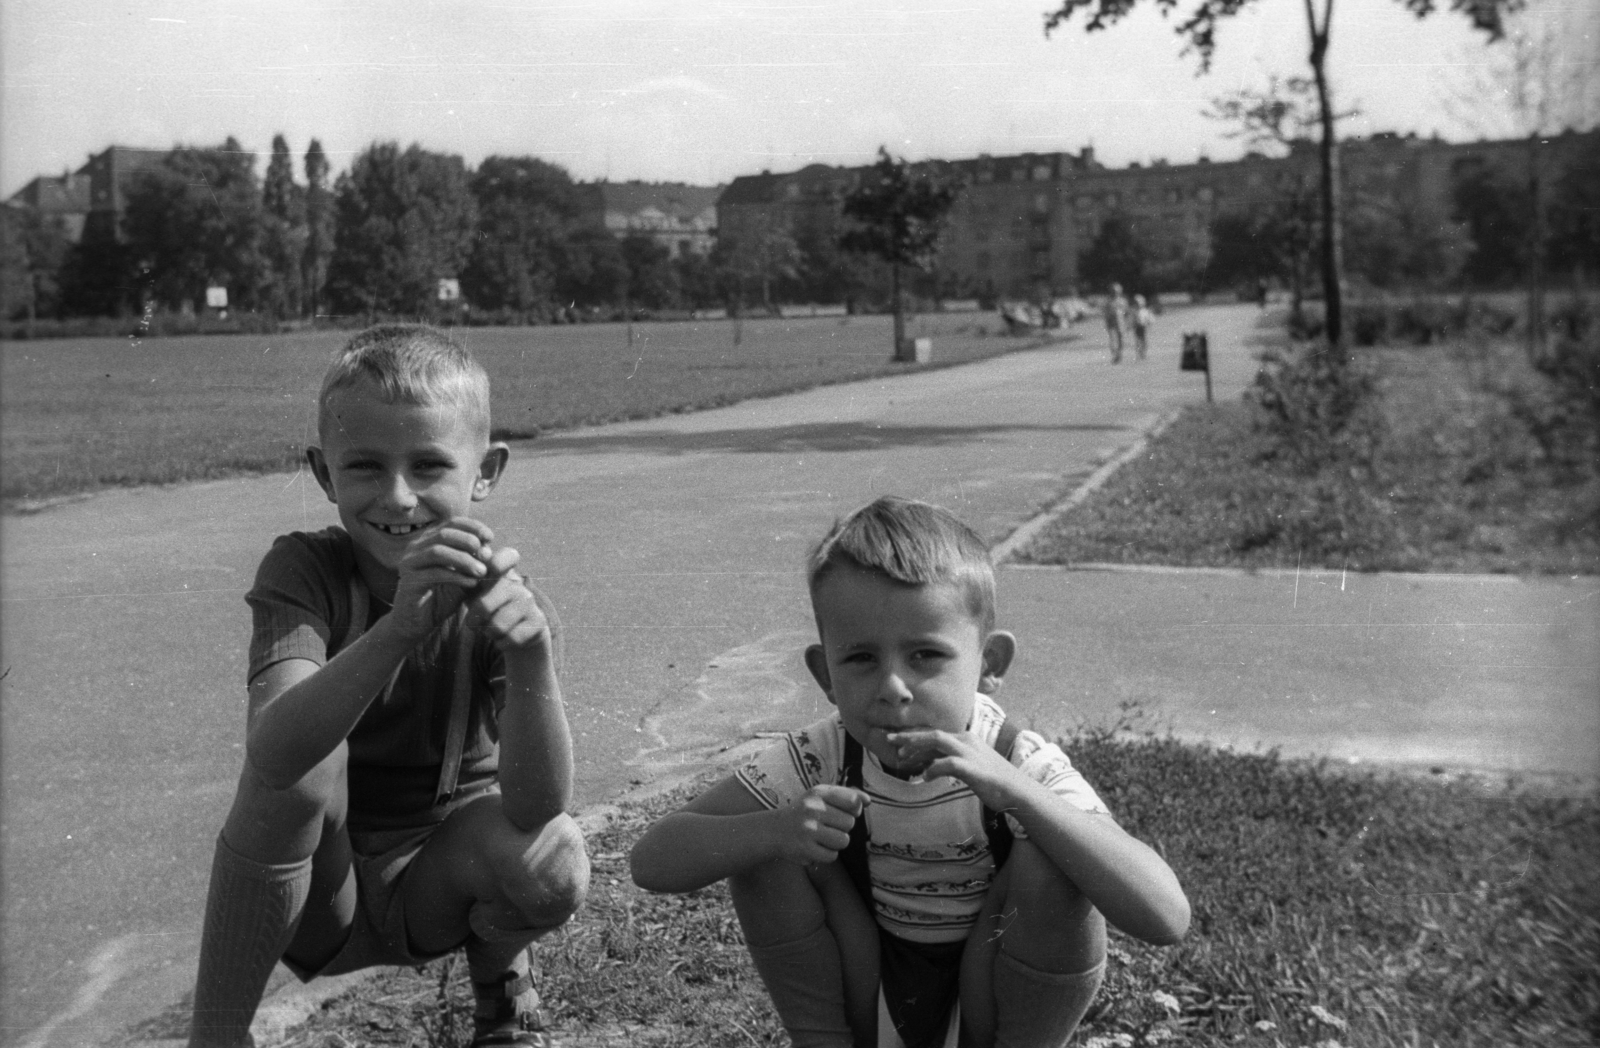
point(726, 831)
point(300, 712)
point(1127, 881)
point(535, 740)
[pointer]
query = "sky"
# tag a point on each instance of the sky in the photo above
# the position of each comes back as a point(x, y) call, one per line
point(695, 92)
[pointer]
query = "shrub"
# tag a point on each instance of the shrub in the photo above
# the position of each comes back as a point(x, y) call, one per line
point(1423, 321)
point(1317, 408)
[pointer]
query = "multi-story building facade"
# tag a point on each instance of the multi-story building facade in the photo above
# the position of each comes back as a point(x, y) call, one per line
point(93, 196)
point(62, 201)
point(1021, 221)
point(681, 218)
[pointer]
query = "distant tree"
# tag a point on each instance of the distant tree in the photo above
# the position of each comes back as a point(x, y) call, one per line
point(1114, 256)
point(652, 282)
point(404, 220)
point(1394, 245)
point(896, 215)
point(284, 232)
point(828, 273)
point(592, 270)
point(1243, 251)
point(193, 221)
point(1575, 215)
point(1540, 82)
point(699, 281)
point(1199, 28)
point(526, 208)
point(319, 227)
point(16, 269)
point(762, 251)
point(1495, 211)
point(99, 276)
point(1280, 119)
point(33, 251)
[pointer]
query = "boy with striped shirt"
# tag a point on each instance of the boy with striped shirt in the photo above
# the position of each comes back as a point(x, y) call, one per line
point(911, 869)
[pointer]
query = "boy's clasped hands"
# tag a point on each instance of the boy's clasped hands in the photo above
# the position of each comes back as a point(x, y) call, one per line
point(452, 563)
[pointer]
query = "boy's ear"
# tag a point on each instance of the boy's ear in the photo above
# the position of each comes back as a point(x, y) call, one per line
point(998, 650)
point(490, 470)
point(319, 469)
point(817, 663)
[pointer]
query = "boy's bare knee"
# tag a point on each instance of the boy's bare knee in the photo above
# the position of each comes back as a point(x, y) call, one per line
point(1046, 921)
point(776, 902)
point(265, 816)
point(544, 873)
point(766, 883)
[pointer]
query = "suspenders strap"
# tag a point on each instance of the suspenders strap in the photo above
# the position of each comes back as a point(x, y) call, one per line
point(455, 737)
point(854, 856)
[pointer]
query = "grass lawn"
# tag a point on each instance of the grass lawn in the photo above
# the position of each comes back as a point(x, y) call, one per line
point(79, 414)
point(1464, 460)
point(1328, 906)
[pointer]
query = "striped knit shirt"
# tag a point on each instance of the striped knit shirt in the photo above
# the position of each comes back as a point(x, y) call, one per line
point(926, 851)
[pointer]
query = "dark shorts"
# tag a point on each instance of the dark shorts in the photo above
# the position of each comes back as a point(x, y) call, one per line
point(921, 982)
point(378, 933)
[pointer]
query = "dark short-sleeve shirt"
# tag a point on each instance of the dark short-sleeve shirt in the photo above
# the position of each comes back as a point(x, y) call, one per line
point(302, 606)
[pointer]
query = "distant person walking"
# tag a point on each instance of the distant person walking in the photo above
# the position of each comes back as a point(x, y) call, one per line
point(1141, 326)
point(1115, 311)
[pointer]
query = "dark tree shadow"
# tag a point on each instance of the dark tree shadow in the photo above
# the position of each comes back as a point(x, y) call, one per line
point(813, 437)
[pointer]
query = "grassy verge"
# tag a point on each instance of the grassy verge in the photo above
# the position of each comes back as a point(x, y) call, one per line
point(1461, 457)
point(1328, 906)
point(81, 414)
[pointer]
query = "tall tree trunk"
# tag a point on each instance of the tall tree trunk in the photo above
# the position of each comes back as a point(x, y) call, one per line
point(1332, 241)
point(898, 306)
point(1535, 250)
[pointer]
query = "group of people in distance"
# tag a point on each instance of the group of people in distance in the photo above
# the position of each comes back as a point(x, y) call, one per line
point(1119, 316)
point(911, 869)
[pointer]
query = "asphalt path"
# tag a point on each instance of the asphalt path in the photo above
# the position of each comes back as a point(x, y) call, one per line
point(673, 549)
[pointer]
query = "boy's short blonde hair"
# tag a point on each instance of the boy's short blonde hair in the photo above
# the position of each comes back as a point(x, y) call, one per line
point(914, 543)
point(410, 364)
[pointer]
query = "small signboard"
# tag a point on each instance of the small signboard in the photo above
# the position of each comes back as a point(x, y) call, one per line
point(449, 289)
point(216, 298)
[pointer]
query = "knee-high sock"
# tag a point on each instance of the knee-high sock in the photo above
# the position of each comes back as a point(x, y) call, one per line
point(251, 912)
point(806, 982)
point(1039, 1009)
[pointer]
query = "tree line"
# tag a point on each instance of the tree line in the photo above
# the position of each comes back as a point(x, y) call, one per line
point(528, 244)
point(1476, 238)
point(525, 242)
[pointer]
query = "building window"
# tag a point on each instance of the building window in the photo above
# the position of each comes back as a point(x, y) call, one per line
point(1111, 200)
point(1204, 194)
point(1041, 203)
point(1018, 173)
point(1041, 173)
point(985, 174)
point(1085, 200)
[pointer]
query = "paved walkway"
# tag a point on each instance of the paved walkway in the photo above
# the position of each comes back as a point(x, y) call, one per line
point(673, 549)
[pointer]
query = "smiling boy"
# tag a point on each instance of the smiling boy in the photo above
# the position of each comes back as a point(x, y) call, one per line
point(407, 758)
point(913, 848)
